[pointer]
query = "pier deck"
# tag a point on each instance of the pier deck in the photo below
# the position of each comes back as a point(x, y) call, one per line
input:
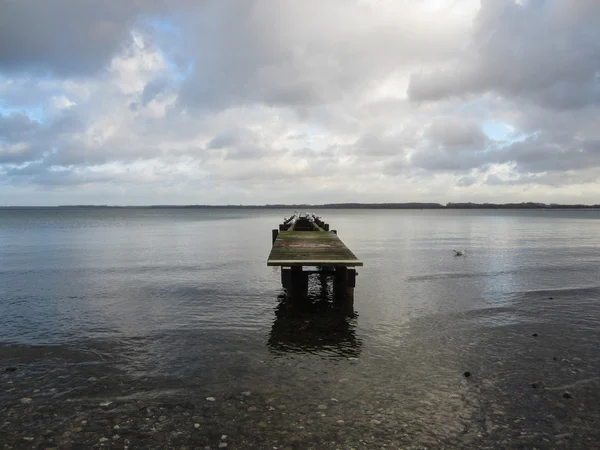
point(304, 240)
point(311, 248)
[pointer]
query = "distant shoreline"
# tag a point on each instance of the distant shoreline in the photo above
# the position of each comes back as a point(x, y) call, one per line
point(304, 207)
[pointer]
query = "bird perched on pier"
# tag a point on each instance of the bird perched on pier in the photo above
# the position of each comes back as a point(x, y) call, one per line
point(459, 252)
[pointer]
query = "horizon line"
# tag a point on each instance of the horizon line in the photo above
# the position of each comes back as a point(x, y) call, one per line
point(349, 205)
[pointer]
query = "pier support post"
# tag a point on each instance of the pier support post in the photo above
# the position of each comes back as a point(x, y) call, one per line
point(298, 287)
point(344, 281)
point(286, 278)
point(323, 281)
point(274, 234)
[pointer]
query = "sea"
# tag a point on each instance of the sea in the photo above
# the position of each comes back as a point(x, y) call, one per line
point(175, 312)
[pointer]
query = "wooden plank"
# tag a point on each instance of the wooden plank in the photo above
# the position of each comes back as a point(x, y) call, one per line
point(310, 248)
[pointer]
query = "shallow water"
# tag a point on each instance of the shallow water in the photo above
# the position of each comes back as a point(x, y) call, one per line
point(178, 305)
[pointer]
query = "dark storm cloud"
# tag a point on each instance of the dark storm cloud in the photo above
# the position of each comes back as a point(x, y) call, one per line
point(16, 127)
point(547, 51)
point(229, 138)
point(154, 88)
point(542, 154)
point(466, 181)
point(237, 144)
point(451, 160)
point(63, 124)
point(26, 172)
point(18, 139)
point(456, 150)
point(374, 145)
point(453, 144)
point(23, 140)
point(76, 152)
point(245, 153)
point(43, 174)
point(64, 37)
point(543, 58)
point(17, 154)
point(301, 54)
point(454, 132)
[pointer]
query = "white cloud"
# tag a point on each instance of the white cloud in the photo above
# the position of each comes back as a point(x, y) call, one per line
point(261, 102)
point(62, 102)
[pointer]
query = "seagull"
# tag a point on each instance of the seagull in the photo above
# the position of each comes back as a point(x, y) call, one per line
point(459, 252)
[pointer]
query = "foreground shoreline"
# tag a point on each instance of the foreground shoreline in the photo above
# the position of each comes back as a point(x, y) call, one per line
point(77, 400)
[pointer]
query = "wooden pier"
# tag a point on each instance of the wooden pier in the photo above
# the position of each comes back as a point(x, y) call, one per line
point(304, 241)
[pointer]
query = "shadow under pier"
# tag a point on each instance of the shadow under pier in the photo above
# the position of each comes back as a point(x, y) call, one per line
point(295, 281)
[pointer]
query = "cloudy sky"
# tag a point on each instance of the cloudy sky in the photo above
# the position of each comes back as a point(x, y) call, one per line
point(262, 101)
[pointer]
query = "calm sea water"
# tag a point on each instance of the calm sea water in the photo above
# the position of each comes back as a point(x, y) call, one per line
point(182, 300)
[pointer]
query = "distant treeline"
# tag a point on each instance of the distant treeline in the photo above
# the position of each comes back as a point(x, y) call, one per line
point(524, 205)
point(305, 207)
point(413, 205)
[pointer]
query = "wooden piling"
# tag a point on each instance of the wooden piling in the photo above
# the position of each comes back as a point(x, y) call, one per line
point(286, 278)
point(298, 288)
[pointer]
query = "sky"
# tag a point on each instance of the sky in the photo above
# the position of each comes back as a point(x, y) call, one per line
point(140, 102)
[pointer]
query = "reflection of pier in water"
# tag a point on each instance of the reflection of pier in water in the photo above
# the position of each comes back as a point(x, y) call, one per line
point(323, 323)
